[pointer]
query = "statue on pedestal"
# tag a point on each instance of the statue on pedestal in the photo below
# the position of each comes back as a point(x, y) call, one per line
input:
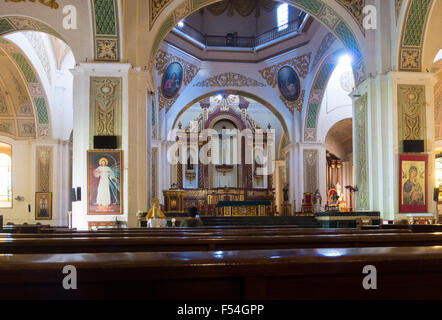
point(285, 191)
point(155, 217)
point(317, 201)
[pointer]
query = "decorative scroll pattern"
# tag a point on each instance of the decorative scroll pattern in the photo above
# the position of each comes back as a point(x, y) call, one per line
point(301, 64)
point(164, 59)
point(243, 7)
point(49, 3)
point(155, 9)
point(413, 35)
point(229, 79)
point(105, 104)
point(15, 23)
point(355, 8)
point(43, 169)
point(311, 160)
point(411, 99)
point(294, 105)
point(362, 196)
point(190, 71)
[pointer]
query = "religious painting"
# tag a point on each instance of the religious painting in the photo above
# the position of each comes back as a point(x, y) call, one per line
point(104, 182)
point(289, 84)
point(43, 206)
point(172, 79)
point(413, 197)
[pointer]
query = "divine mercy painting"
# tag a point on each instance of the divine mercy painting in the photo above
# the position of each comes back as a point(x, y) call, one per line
point(289, 84)
point(172, 80)
point(104, 182)
point(412, 184)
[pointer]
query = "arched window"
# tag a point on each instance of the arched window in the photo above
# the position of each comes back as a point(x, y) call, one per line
point(5, 176)
point(283, 16)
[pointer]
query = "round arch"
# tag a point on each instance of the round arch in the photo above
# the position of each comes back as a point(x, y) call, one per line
point(318, 9)
point(242, 93)
point(34, 88)
point(317, 91)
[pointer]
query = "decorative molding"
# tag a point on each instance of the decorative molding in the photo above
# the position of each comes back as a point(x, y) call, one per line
point(164, 59)
point(162, 62)
point(355, 8)
point(18, 23)
point(229, 79)
point(294, 105)
point(49, 3)
point(311, 169)
point(410, 58)
point(43, 168)
point(163, 102)
point(301, 64)
point(106, 30)
point(362, 177)
point(326, 43)
point(155, 9)
point(154, 172)
point(105, 104)
point(411, 101)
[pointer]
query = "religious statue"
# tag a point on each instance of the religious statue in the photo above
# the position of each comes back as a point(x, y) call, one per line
point(285, 191)
point(317, 201)
point(155, 217)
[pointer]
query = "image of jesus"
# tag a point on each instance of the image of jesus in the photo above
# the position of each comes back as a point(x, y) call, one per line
point(106, 176)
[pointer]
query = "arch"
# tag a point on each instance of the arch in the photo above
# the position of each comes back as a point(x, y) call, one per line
point(35, 89)
point(316, 8)
point(317, 91)
point(412, 37)
point(236, 92)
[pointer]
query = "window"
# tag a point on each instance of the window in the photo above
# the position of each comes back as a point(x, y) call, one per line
point(283, 16)
point(5, 176)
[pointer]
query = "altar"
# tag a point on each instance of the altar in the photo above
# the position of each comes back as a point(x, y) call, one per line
point(220, 202)
point(336, 219)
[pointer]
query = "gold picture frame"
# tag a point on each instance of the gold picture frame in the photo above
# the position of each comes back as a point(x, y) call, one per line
point(43, 206)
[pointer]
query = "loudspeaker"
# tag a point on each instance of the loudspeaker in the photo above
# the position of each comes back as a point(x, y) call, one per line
point(413, 146)
point(29, 208)
point(73, 195)
point(78, 193)
point(436, 194)
point(105, 142)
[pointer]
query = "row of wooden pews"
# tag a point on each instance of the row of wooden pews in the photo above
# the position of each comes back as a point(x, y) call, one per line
point(222, 263)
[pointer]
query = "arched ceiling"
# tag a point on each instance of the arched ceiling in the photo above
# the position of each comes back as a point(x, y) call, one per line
point(17, 118)
point(25, 111)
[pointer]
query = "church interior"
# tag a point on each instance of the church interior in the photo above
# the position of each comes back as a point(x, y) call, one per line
point(221, 149)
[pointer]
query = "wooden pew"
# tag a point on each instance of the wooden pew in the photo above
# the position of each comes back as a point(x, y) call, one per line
point(199, 233)
point(213, 243)
point(402, 273)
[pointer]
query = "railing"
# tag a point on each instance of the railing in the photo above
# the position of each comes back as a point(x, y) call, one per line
point(233, 40)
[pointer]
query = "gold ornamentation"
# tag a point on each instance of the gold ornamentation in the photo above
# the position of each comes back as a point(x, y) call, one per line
point(164, 102)
point(355, 8)
point(49, 3)
point(106, 106)
point(229, 79)
point(301, 64)
point(244, 7)
point(398, 4)
point(164, 59)
point(410, 59)
point(311, 159)
point(44, 164)
point(294, 105)
point(155, 9)
point(361, 119)
point(412, 112)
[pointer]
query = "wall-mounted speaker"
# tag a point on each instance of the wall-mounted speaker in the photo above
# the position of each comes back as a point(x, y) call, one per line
point(73, 195)
point(413, 146)
point(105, 142)
point(29, 208)
point(436, 194)
point(78, 193)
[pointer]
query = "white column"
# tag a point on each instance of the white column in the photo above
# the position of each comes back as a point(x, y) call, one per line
point(81, 138)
